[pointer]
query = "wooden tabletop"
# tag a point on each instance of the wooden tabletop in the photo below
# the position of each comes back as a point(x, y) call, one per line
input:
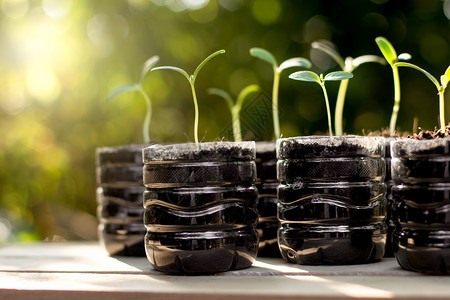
point(74, 270)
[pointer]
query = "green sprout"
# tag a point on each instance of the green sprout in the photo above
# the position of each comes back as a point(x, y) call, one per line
point(320, 79)
point(191, 79)
point(139, 88)
point(347, 65)
point(440, 87)
point(391, 57)
point(277, 69)
point(235, 107)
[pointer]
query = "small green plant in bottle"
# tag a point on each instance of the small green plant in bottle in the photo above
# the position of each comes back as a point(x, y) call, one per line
point(191, 79)
point(440, 86)
point(348, 64)
point(391, 57)
point(310, 76)
point(235, 106)
point(138, 87)
point(277, 69)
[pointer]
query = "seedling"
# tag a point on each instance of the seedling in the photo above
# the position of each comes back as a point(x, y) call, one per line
point(139, 88)
point(391, 57)
point(320, 79)
point(277, 69)
point(191, 79)
point(347, 65)
point(440, 87)
point(235, 107)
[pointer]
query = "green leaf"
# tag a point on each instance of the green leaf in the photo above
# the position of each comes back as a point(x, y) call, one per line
point(122, 89)
point(445, 79)
point(387, 49)
point(253, 88)
point(339, 75)
point(404, 56)
point(200, 66)
point(223, 94)
point(185, 74)
point(306, 76)
point(264, 55)
point(431, 77)
point(367, 58)
point(331, 52)
point(294, 62)
point(147, 66)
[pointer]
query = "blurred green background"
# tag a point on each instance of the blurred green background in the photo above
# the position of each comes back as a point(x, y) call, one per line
point(59, 59)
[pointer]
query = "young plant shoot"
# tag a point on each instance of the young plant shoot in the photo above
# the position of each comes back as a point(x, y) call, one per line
point(347, 65)
point(139, 88)
point(191, 79)
point(277, 69)
point(235, 107)
point(440, 87)
point(320, 79)
point(391, 57)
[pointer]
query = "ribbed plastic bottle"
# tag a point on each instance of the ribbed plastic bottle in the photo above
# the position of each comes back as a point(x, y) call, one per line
point(267, 184)
point(119, 196)
point(200, 207)
point(331, 199)
point(421, 211)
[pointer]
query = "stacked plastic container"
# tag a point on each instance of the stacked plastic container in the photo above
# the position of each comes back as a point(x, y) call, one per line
point(119, 197)
point(421, 211)
point(267, 184)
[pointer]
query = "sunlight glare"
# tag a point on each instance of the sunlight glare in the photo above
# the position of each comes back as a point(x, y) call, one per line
point(57, 8)
point(42, 83)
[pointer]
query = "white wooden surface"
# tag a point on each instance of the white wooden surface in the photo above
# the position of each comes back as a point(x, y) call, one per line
point(84, 271)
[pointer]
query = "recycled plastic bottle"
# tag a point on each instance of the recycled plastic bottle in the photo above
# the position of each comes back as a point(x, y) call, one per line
point(200, 207)
point(331, 199)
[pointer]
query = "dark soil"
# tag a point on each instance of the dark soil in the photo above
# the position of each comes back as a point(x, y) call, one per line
point(211, 151)
point(431, 134)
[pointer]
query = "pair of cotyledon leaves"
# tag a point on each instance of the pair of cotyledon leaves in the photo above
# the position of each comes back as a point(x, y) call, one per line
point(299, 62)
point(391, 57)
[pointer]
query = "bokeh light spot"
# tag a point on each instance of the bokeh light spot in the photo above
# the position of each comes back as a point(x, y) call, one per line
point(5, 229)
point(12, 99)
point(362, 120)
point(317, 28)
point(57, 8)
point(446, 8)
point(231, 5)
point(103, 30)
point(376, 20)
point(42, 84)
point(139, 4)
point(240, 79)
point(206, 14)
point(266, 12)
point(15, 9)
point(434, 49)
point(195, 4)
point(322, 60)
point(311, 108)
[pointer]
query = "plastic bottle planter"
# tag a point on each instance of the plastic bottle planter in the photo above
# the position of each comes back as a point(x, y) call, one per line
point(119, 197)
point(421, 211)
point(331, 199)
point(267, 183)
point(200, 207)
point(390, 226)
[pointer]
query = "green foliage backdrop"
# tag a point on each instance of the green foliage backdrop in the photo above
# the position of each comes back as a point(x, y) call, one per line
point(60, 59)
